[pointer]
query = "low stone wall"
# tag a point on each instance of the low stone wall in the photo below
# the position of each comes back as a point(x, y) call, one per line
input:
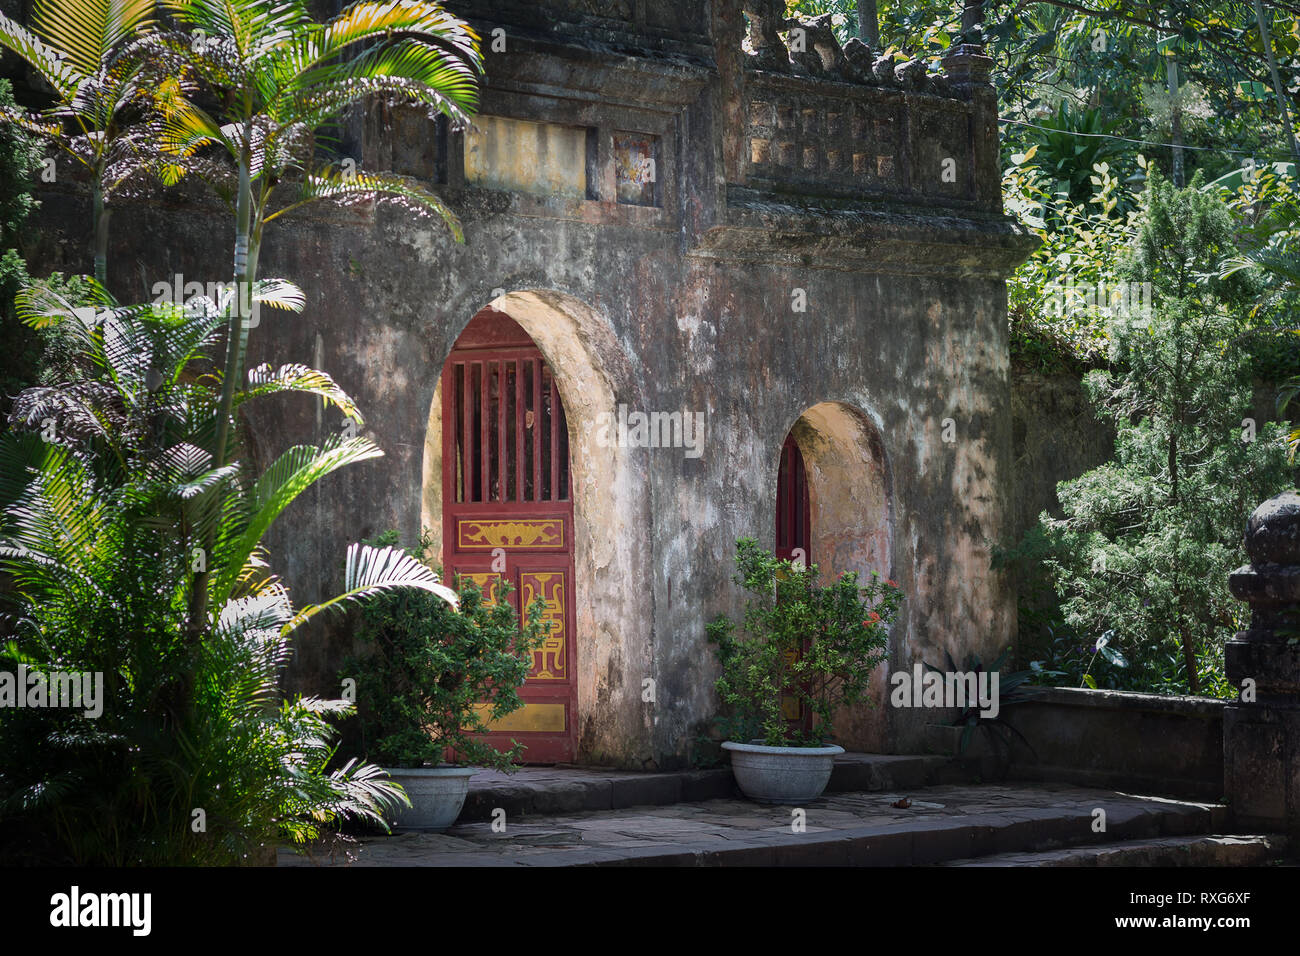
point(1141, 742)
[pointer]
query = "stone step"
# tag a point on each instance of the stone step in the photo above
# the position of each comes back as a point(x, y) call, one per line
point(862, 828)
point(1159, 851)
point(536, 791)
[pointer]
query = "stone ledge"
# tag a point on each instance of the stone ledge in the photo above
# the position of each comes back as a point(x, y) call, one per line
point(1208, 707)
point(935, 825)
point(1159, 851)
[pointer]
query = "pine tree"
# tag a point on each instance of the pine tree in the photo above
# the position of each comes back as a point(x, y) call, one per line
point(1143, 552)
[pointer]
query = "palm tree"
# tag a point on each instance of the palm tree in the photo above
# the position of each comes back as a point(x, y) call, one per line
point(99, 537)
point(80, 48)
point(279, 76)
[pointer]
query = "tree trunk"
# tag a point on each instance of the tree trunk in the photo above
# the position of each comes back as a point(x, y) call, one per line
point(99, 231)
point(1278, 90)
point(1175, 121)
point(972, 15)
point(1189, 661)
point(247, 244)
point(869, 23)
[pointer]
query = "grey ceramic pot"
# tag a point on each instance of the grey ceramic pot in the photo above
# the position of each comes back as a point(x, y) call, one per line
point(437, 795)
point(781, 774)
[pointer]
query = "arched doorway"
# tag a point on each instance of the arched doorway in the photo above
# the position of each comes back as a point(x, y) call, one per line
point(508, 511)
point(612, 522)
point(849, 526)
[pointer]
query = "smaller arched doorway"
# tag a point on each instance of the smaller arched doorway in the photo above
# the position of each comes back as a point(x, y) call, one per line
point(843, 475)
point(508, 511)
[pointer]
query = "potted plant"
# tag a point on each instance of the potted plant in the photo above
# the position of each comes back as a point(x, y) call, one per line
point(817, 644)
point(429, 676)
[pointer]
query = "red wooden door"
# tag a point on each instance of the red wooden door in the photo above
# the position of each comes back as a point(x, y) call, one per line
point(793, 540)
point(508, 511)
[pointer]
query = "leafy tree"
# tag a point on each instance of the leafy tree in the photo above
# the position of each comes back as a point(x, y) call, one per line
point(18, 158)
point(1143, 551)
point(1059, 298)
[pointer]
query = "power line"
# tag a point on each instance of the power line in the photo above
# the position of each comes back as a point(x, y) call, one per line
point(1281, 157)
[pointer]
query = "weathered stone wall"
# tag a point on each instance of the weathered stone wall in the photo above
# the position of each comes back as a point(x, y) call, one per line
point(1056, 436)
point(895, 371)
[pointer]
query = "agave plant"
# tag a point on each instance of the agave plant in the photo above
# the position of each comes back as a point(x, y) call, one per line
point(81, 49)
point(198, 756)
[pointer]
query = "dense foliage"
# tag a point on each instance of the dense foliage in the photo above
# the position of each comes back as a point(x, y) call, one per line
point(132, 530)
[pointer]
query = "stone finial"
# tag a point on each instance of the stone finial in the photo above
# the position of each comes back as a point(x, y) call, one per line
point(766, 17)
point(910, 75)
point(967, 65)
point(1271, 582)
point(857, 61)
point(820, 39)
point(883, 70)
point(1261, 727)
point(1273, 531)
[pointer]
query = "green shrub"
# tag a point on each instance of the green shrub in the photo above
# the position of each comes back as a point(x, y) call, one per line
point(1143, 552)
point(424, 666)
point(816, 643)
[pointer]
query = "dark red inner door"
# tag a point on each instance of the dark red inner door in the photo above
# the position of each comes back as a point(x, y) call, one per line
point(793, 539)
point(793, 525)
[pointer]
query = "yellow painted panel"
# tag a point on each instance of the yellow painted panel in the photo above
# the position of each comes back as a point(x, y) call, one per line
point(537, 718)
point(543, 158)
point(479, 533)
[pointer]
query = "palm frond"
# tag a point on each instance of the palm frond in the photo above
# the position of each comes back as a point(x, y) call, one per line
point(289, 476)
point(249, 24)
point(264, 380)
point(56, 70)
point(89, 31)
point(371, 571)
point(366, 22)
point(346, 189)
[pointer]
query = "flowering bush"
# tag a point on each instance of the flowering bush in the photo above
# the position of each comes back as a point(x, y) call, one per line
point(815, 643)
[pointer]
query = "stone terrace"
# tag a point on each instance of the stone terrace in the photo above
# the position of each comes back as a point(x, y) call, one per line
point(983, 824)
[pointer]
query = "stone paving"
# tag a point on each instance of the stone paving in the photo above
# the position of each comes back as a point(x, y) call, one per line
point(929, 825)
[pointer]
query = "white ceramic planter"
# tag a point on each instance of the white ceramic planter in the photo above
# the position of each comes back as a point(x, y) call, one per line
point(781, 774)
point(437, 796)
